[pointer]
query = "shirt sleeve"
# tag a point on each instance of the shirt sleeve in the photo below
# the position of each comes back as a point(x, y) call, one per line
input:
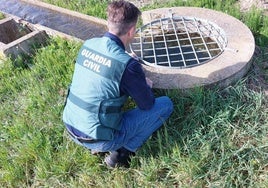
point(133, 83)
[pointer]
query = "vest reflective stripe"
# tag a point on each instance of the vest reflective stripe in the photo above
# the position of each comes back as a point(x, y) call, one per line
point(91, 107)
point(82, 104)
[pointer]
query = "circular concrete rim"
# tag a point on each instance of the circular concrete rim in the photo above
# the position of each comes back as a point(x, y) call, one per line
point(221, 40)
point(223, 70)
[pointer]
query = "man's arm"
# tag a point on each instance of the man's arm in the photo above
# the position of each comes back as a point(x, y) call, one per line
point(135, 84)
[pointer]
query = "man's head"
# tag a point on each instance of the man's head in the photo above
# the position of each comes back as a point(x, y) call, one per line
point(122, 16)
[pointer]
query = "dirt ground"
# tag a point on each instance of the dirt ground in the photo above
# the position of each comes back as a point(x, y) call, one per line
point(259, 68)
point(247, 4)
point(259, 71)
point(244, 4)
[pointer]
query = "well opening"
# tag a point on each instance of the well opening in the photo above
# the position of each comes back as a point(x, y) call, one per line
point(10, 31)
point(178, 42)
point(65, 22)
point(187, 47)
point(18, 37)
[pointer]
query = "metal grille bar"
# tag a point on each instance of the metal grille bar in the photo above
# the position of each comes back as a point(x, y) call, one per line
point(178, 42)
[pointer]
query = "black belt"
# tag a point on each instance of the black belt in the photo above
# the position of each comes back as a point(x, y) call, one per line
point(80, 139)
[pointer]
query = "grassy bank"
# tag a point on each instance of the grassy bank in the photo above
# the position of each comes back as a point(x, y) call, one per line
point(215, 138)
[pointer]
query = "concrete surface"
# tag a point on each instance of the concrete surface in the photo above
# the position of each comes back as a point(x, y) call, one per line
point(17, 39)
point(225, 69)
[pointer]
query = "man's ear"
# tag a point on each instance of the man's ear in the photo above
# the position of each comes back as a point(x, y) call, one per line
point(132, 30)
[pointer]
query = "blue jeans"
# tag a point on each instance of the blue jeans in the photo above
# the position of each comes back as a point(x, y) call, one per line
point(137, 126)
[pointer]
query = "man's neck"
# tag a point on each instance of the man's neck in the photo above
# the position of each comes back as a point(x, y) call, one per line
point(123, 38)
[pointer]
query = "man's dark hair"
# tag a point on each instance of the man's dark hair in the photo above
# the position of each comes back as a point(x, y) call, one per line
point(122, 15)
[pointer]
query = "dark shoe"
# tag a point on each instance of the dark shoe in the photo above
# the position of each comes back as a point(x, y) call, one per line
point(98, 153)
point(93, 152)
point(120, 157)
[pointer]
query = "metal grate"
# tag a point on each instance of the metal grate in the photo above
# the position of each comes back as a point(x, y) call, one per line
point(178, 42)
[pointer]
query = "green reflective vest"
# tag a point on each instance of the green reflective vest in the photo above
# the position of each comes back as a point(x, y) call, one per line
point(94, 104)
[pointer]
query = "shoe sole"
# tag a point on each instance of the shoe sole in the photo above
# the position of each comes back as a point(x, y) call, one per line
point(109, 163)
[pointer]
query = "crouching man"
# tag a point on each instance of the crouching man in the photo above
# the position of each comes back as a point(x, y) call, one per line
point(104, 77)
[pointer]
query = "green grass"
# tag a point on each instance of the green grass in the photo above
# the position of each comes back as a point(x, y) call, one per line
point(214, 138)
point(93, 7)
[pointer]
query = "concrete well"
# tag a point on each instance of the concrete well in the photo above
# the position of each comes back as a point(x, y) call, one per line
point(223, 70)
point(17, 38)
